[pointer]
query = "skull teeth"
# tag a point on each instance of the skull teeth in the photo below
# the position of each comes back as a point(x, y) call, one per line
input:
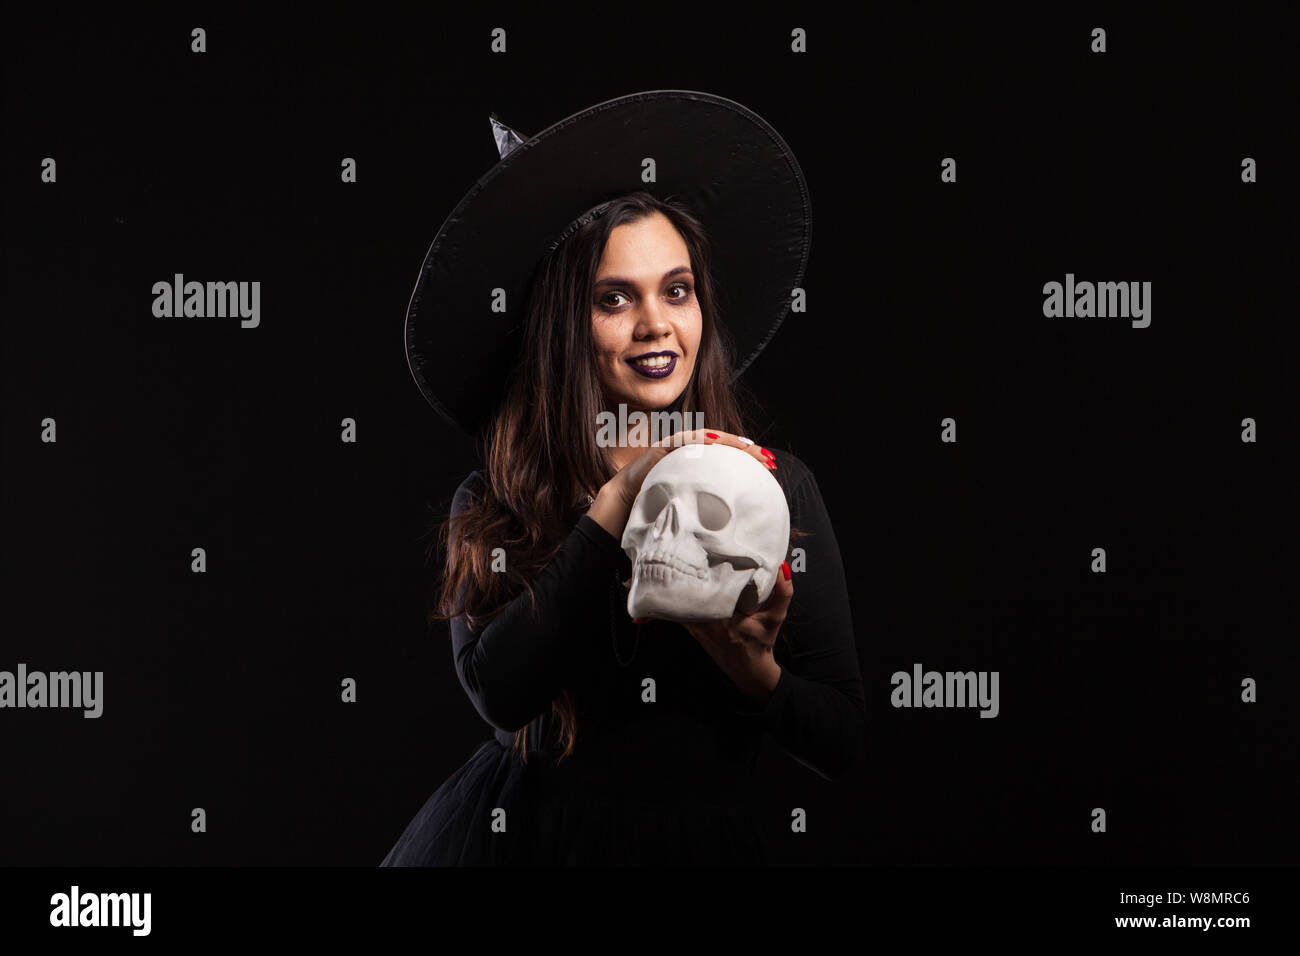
point(657, 567)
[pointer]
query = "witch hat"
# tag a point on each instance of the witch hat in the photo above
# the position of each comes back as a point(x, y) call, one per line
point(718, 158)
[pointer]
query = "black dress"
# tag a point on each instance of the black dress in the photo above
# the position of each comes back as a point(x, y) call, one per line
point(667, 781)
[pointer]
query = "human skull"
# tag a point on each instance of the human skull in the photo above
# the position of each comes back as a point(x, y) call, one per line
point(706, 535)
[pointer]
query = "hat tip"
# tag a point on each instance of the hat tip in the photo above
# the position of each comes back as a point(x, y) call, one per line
point(507, 140)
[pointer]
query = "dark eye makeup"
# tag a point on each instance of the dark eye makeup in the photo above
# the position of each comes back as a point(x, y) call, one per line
point(686, 287)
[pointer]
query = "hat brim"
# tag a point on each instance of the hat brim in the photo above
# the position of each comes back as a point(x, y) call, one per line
point(725, 163)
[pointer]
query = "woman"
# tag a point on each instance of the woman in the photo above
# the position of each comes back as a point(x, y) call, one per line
point(621, 742)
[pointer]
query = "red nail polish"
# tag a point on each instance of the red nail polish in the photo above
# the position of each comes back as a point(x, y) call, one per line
point(638, 620)
point(785, 569)
point(711, 435)
point(768, 453)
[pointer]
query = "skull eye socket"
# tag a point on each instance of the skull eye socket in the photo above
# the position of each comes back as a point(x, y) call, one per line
point(713, 511)
point(653, 501)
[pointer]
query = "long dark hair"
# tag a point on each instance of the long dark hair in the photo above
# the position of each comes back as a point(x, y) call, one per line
point(541, 454)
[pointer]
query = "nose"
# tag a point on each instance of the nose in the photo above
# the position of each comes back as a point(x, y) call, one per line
point(652, 321)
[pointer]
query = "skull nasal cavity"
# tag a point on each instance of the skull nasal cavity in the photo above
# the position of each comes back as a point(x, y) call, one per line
point(668, 522)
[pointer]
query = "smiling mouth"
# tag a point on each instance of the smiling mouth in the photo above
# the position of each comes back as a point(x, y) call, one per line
point(655, 366)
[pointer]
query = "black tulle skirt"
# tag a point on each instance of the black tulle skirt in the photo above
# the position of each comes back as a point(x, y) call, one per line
point(550, 826)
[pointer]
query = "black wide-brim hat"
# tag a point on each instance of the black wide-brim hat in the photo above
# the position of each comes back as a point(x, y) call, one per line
point(721, 160)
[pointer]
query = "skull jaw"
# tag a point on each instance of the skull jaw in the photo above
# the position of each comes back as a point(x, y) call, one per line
point(681, 597)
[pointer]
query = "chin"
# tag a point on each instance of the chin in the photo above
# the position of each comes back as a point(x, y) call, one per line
point(657, 396)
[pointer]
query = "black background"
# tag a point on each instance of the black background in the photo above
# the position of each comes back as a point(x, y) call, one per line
point(222, 690)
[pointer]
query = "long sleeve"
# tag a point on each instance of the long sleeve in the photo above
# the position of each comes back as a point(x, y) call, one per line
point(818, 710)
point(515, 666)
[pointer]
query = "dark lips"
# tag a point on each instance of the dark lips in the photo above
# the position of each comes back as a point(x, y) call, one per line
point(662, 372)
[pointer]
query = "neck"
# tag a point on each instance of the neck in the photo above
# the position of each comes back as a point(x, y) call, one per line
point(637, 439)
point(624, 454)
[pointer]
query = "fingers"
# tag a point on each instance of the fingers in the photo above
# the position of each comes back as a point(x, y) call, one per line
point(712, 436)
point(778, 602)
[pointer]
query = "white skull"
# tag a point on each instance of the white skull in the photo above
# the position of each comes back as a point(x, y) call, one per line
point(706, 535)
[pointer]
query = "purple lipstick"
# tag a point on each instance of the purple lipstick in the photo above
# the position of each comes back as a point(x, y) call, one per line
point(659, 368)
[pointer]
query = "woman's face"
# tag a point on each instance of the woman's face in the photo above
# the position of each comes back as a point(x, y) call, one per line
point(644, 302)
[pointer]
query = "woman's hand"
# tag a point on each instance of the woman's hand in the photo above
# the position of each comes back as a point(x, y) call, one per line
point(742, 645)
point(614, 501)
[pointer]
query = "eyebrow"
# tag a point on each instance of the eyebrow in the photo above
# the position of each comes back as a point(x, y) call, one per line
point(619, 280)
